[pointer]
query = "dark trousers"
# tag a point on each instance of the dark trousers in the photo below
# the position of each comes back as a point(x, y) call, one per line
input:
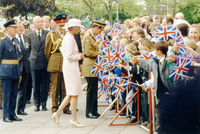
point(92, 90)
point(29, 88)
point(57, 81)
point(10, 90)
point(40, 80)
point(144, 106)
point(1, 93)
point(22, 91)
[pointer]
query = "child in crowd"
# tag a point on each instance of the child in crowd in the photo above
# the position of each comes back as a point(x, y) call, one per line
point(136, 44)
point(123, 42)
point(137, 33)
point(152, 29)
point(161, 69)
point(146, 45)
point(194, 33)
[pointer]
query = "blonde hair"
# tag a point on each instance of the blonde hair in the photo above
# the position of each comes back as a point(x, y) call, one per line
point(123, 41)
point(128, 24)
point(192, 44)
point(138, 30)
point(146, 18)
point(130, 48)
point(136, 21)
point(146, 42)
point(46, 18)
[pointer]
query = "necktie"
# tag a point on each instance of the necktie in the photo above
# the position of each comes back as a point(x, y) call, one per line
point(39, 37)
point(21, 45)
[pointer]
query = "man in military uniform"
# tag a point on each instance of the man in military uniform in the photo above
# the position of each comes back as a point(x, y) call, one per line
point(9, 68)
point(26, 27)
point(1, 92)
point(90, 48)
point(1, 95)
point(55, 60)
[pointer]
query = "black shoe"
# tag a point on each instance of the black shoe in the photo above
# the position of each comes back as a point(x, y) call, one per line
point(37, 109)
point(97, 114)
point(7, 120)
point(132, 120)
point(123, 114)
point(44, 108)
point(112, 108)
point(21, 113)
point(92, 116)
point(67, 112)
point(139, 122)
point(1, 107)
point(28, 102)
point(129, 116)
point(15, 118)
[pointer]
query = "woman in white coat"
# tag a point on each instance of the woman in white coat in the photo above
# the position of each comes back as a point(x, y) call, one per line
point(71, 73)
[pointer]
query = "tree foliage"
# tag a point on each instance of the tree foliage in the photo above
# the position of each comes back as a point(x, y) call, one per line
point(100, 9)
point(24, 7)
point(191, 12)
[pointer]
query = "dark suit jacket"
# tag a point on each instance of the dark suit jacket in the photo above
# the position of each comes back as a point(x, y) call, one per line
point(24, 57)
point(78, 41)
point(9, 51)
point(37, 56)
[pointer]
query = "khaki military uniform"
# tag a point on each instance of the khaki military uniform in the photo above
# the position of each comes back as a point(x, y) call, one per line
point(55, 61)
point(90, 48)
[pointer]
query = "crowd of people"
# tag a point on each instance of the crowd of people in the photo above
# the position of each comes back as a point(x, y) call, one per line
point(50, 51)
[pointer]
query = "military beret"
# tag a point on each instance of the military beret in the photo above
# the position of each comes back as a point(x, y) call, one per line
point(60, 19)
point(99, 23)
point(12, 22)
point(26, 24)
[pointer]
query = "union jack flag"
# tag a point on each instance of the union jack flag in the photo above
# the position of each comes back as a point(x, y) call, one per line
point(99, 66)
point(147, 56)
point(104, 85)
point(119, 54)
point(99, 38)
point(121, 30)
point(113, 29)
point(165, 33)
point(181, 69)
point(108, 53)
point(180, 42)
point(105, 41)
point(120, 86)
point(110, 77)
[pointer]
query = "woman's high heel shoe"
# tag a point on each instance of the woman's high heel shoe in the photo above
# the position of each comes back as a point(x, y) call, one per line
point(56, 118)
point(76, 124)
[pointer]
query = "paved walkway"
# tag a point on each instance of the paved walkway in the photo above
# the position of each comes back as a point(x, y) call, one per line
point(41, 123)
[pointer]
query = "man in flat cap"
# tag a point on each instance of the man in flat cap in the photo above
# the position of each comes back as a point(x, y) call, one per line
point(55, 60)
point(90, 48)
point(9, 68)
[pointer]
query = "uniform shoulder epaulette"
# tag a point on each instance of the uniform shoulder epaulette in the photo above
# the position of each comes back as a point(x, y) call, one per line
point(50, 32)
point(3, 38)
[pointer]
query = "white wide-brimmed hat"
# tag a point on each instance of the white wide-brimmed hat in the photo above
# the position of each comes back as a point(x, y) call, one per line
point(73, 23)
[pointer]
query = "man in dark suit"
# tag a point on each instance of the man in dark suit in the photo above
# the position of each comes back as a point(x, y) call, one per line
point(39, 64)
point(26, 25)
point(9, 69)
point(24, 66)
